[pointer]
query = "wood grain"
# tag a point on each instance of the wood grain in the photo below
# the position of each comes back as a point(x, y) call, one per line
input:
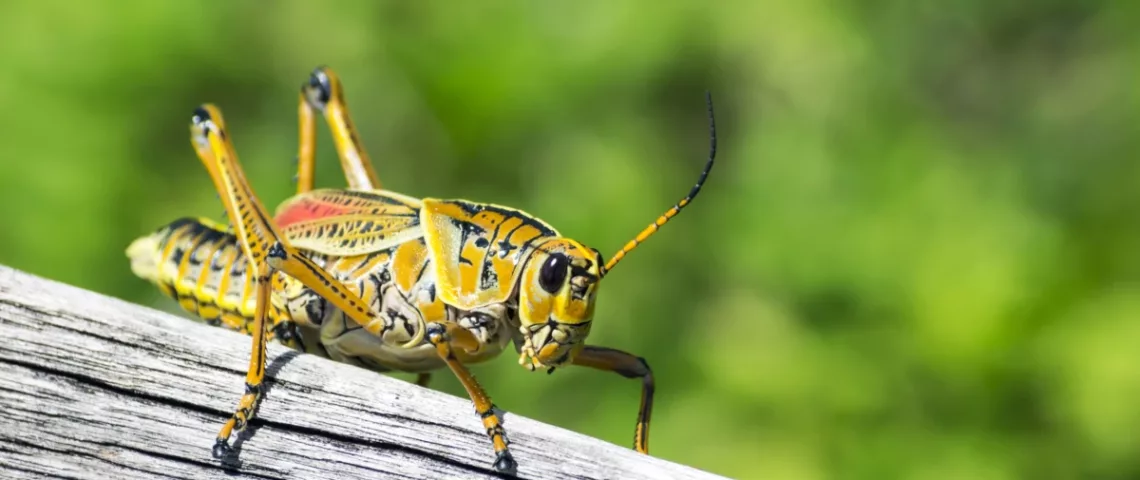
point(92, 387)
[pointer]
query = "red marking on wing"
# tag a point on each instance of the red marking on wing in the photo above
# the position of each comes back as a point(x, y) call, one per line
point(308, 209)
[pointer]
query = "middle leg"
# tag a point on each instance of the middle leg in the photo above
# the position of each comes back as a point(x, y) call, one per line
point(446, 337)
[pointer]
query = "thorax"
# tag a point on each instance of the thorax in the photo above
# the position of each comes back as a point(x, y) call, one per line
point(400, 285)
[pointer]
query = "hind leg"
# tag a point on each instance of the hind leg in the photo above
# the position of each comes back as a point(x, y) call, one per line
point(323, 93)
point(267, 252)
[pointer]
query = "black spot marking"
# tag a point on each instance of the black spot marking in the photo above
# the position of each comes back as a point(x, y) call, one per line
point(505, 248)
point(177, 254)
point(488, 278)
point(315, 309)
point(276, 251)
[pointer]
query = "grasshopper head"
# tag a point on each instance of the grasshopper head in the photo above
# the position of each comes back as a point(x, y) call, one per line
point(557, 287)
point(556, 301)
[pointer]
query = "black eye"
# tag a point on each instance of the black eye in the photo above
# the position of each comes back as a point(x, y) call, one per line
point(553, 272)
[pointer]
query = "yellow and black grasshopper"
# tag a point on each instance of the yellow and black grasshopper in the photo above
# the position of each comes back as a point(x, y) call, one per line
point(382, 280)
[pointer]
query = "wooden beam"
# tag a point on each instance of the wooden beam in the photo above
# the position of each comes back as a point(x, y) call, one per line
point(95, 387)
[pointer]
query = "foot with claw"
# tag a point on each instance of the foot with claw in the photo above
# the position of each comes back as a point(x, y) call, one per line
point(505, 463)
point(221, 449)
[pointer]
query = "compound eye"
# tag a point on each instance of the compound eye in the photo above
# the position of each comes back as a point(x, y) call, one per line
point(553, 273)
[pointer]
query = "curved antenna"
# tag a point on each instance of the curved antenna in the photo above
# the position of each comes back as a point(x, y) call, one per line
point(672, 212)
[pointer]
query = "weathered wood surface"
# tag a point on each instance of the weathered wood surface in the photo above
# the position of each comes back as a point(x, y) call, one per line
point(96, 388)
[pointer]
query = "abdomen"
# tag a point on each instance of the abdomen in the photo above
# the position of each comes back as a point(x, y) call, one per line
point(200, 264)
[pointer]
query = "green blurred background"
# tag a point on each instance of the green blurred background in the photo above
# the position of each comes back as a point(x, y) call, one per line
point(918, 257)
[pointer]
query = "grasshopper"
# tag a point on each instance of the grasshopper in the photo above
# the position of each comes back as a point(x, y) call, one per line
point(382, 280)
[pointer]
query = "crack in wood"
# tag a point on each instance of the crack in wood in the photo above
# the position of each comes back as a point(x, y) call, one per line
point(161, 350)
point(121, 465)
point(40, 474)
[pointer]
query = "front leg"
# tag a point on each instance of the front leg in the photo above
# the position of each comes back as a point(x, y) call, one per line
point(628, 366)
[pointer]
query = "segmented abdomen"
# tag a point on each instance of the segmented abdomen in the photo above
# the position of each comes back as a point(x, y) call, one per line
point(200, 264)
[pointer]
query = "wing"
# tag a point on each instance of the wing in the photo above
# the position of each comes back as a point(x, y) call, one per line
point(349, 222)
point(479, 249)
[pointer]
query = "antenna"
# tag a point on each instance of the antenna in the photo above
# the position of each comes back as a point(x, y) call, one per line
point(672, 212)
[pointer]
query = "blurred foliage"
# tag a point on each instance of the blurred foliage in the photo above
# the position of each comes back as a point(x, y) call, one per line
point(918, 256)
